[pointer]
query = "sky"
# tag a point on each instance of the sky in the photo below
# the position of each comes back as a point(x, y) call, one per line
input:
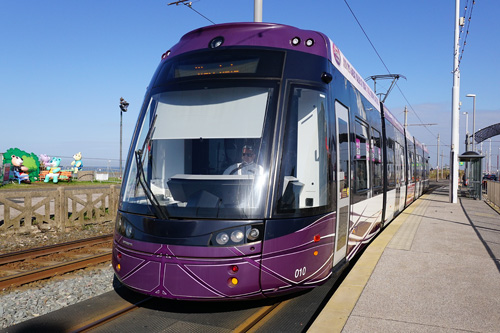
point(65, 64)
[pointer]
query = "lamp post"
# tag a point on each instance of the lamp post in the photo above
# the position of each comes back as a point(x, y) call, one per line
point(123, 108)
point(466, 130)
point(473, 121)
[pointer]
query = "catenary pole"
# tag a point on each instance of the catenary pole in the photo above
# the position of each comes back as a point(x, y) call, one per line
point(257, 11)
point(437, 159)
point(453, 194)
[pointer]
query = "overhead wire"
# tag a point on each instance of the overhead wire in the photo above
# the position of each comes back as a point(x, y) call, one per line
point(375, 49)
point(190, 5)
point(465, 28)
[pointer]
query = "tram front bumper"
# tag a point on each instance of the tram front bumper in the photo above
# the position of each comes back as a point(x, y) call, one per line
point(188, 273)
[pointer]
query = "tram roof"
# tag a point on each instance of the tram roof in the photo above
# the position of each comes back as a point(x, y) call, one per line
point(276, 36)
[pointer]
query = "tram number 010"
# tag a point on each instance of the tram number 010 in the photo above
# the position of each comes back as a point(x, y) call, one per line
point(299, 272)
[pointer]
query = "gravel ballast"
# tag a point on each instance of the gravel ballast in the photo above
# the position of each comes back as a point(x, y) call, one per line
point(18, 304)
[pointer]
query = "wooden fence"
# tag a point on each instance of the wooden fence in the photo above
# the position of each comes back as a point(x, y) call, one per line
point(493, 192)
point(57, 208)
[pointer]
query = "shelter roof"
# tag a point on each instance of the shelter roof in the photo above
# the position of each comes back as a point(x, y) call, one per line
point(487, 132)
point(470, 156)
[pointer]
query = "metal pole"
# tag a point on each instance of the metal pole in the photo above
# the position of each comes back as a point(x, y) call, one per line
point(466, 123)
point(466, 130)
point(489, 158)
point(123, 108)
point(437, 173)
point(453, 195)
point(474, 125)
point(406, 117)
point(121, 116)
point(473, 121)
point(257, 11)
point(442, 166)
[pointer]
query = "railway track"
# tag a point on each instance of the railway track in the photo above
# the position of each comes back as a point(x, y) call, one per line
point(251, 324)
point(27, 266)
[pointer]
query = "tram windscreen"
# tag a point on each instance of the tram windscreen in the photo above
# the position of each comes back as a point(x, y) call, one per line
point(205, 154)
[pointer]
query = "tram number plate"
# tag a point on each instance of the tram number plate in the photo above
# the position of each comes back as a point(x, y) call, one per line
point(299, 272)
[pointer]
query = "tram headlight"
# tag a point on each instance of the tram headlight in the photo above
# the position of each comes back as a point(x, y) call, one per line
point(253, 234)
point(222, 238)
point(237, 236)
point(216, 42)
point(309, 42)
point(119, 223)
point(129, 230)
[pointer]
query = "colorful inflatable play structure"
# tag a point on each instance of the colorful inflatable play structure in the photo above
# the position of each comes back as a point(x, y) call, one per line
point(19, 166)
point(22, 166)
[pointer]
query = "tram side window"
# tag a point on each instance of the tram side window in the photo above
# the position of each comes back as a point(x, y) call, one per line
point(426, 175)
point(411, 171)
point(361, 157)
point(376, 158)
point(304, 164)
point(400, 164)
point(419, 167)
point(391, 168)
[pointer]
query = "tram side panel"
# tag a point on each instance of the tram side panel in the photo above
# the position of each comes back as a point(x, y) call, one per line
point(367, 173)
point(410, 169)
point(395, 165)
point(299, 239)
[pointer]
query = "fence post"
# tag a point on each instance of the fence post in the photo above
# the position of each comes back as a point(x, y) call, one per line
point(59, 209)
point(115, 195)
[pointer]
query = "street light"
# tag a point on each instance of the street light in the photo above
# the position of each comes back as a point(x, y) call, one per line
point(123, 108)
point(466, 130)
point(473, 121)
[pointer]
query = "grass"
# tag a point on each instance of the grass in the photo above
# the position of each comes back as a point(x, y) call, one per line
point(39, 185)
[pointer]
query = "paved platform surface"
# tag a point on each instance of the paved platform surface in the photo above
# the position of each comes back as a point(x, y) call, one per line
point(435, 268)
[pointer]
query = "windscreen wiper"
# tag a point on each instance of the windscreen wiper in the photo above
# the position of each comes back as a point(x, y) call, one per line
point(141, 178)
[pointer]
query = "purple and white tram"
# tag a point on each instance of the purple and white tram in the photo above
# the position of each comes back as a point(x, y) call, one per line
point(319, 166)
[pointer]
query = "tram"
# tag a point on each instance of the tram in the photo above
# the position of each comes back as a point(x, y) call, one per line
point(261, 163)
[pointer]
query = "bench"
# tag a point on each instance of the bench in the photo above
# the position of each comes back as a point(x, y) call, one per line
point(63, 175)
point(21, 177)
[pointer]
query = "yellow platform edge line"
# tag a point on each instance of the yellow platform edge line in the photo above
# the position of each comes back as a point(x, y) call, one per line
point(335, 314)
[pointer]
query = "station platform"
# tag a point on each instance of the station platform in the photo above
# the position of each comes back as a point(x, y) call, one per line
point(435, 268)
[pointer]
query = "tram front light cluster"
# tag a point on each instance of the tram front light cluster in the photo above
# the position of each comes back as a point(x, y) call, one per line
point(237, 236)
point(222, 238)
point(216, 42)
point(123, 227)
point(295, 41)
point(119, 223)
point(129, 231)
point(253, 234)
point(232, 282)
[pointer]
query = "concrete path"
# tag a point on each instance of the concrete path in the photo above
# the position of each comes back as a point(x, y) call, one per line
point(435, 268)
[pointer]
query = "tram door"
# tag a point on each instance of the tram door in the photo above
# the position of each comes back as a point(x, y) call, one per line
point(343, 182)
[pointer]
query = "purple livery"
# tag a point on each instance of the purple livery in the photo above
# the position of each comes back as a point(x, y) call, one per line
point(261, 163)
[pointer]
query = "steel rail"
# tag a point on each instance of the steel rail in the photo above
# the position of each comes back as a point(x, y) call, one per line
point(258, 318)
point(50, 271)
point(49, 249)
point(107, 317)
